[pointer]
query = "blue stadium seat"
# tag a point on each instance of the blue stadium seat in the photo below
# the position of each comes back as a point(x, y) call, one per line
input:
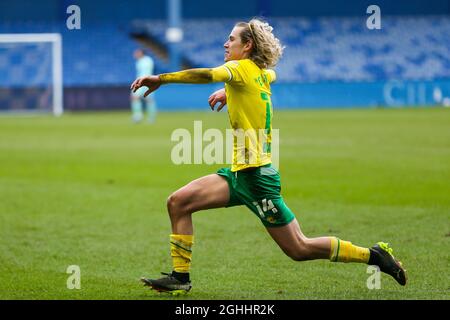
point(98, 54)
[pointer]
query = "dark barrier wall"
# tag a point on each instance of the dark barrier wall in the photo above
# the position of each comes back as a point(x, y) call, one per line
point(96, 98)
point(122, 10)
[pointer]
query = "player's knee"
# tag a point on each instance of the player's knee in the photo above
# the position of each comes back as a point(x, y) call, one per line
point(176, 204)
point(172, 203)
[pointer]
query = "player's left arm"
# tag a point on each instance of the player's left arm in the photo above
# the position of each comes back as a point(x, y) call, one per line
point(199, 75)
point(218, 96)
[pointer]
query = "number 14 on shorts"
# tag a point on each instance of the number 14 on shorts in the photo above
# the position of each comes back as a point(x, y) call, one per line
point(265, 206)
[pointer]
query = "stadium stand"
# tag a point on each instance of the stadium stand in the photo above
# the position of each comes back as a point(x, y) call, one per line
point(317, 49)
point(333, 49)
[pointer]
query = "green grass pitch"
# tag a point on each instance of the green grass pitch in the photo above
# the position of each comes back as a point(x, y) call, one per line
point(90, 189)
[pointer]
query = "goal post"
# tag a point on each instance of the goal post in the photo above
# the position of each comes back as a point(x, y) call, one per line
point(55, 40)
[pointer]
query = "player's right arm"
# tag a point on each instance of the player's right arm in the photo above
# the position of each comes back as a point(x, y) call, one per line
point(199, 75)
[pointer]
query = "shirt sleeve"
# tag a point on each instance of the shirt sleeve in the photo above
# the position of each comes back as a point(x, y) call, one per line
point(271, 74)
point(237, 74)
point(220, 74)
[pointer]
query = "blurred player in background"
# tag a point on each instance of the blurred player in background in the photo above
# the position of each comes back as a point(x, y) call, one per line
point(144, 67)
point(251, 49)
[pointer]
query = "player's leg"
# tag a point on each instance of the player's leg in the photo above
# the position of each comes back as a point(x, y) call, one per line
point(260, 191)
point(136, 105)
point(208, 192)
point(150, 106)
point(298, 247)
point(136, 109)
point(211, 191)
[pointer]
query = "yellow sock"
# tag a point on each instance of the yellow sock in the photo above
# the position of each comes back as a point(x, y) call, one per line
point(181, 251)
point(345, 251)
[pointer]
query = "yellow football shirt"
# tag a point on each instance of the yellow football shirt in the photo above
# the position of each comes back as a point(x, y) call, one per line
point(250, 112)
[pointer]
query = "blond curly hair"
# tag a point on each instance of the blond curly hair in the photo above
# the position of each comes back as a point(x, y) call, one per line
point(267, 49)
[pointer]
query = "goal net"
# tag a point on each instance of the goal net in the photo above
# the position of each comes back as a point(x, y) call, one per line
point(31, 73)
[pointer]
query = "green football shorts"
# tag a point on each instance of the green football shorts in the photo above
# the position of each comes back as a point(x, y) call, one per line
point(259, 190)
